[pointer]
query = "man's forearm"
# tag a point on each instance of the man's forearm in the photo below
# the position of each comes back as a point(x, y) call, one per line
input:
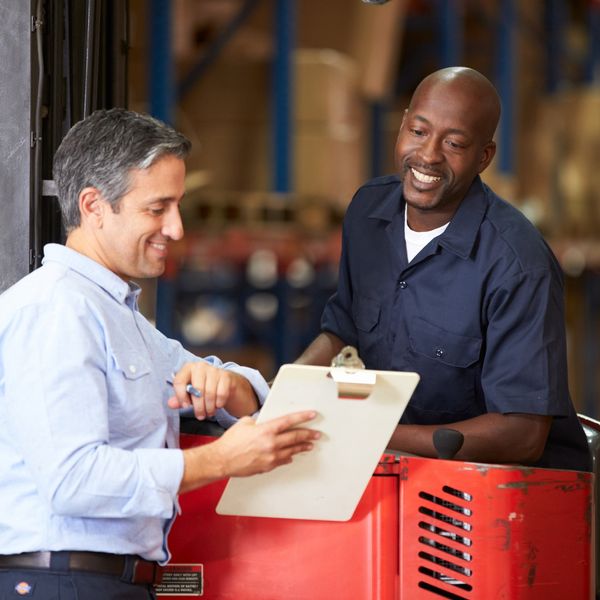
point(202, 465)
point(322, 350)
point(248, 448)
point(492, 438)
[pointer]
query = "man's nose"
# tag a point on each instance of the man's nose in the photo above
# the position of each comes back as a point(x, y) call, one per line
point(173, 225)
point(430, 150)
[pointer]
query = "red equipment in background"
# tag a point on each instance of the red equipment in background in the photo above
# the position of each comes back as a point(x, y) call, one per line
point(488, 531)
point(424, 529)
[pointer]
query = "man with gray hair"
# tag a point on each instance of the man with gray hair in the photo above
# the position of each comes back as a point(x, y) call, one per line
point(90, 484)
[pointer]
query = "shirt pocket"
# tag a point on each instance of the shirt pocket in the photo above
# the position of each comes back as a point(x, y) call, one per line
point(443, 346)
point(135, 404)
point(366, 313)
point(449, 367)
point(130, 364)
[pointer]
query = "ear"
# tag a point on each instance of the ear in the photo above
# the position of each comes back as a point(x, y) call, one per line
point(403, 117)
point(404, 114)
point(92, 206)
point(489, 151)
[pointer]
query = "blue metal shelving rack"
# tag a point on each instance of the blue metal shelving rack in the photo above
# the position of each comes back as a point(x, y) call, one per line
point(162, 102)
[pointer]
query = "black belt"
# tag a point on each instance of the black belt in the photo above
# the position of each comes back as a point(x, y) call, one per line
point(129, 568)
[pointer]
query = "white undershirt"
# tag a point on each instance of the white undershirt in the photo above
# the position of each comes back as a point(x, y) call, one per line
point(417, 240)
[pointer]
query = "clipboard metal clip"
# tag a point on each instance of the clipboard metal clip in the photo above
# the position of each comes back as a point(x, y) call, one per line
point(353, 381)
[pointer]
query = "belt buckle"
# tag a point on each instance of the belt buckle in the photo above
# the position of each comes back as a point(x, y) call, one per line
point(145, 571)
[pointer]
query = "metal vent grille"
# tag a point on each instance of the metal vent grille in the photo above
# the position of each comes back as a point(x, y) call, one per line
point(445, 557)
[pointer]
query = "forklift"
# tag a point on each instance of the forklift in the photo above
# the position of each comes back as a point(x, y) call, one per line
point(424, 528)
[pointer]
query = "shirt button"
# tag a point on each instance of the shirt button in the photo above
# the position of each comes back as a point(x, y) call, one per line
point(132, 368)
point(402, 285)
point(439, 352)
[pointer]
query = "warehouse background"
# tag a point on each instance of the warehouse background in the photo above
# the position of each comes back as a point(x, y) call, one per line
point(291, 105)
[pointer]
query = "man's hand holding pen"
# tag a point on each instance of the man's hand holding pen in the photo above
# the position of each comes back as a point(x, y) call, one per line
point(208, 388)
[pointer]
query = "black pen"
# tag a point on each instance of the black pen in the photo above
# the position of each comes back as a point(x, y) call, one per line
point(190, 389)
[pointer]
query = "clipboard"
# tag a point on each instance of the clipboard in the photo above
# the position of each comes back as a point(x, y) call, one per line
point(358, 411)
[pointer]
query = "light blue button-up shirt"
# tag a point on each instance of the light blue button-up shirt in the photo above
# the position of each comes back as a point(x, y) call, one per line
point(89, 456)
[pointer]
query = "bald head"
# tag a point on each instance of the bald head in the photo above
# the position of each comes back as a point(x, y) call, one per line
point(445, 141)
point(475, 91)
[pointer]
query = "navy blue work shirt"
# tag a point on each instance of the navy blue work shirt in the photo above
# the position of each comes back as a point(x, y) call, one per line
point(478, 313)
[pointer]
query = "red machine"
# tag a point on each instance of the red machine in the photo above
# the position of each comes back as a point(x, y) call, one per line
point(424, 529)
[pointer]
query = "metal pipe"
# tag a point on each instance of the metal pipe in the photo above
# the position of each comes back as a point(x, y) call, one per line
point(162, 100)
point(451, 32)
point(506, 85)
point(282, 96)
point(162, 94)
point(36, 208)
point(555, 26)
point(593, 63)
point(88, 57)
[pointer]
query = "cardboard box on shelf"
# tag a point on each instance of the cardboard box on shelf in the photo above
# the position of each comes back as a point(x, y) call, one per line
point(330, 162)
point(558, 162)
point(230, 91)
point(579, 176)
point(371, 35)
point(226, 116)
point(197, 25)
point(326, 161)
point(375, 44)
point(504, 185)
point(326, 87)
point(556, 175)
point(234, 154)
point(537, 167)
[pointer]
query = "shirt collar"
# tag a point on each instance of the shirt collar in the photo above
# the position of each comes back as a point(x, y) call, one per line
point(464, 227)
point(462, 231)
point(391, 204)
point(90, 269)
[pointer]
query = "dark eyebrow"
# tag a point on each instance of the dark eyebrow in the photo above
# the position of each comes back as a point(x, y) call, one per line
point(454, 131)
point(163, 199)
point(420, 118)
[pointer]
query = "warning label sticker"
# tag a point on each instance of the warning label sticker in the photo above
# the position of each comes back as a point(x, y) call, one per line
point(181, 580)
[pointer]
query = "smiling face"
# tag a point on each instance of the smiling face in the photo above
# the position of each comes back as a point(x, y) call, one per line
point(444, 141)
point(133, 240)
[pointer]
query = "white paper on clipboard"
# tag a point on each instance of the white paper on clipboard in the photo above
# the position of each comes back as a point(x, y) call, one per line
point(327, 482)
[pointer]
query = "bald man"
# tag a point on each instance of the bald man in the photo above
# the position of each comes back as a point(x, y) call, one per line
point(440, 276)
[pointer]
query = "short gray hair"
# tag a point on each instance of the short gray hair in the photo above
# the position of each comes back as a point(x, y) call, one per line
point(101, 151)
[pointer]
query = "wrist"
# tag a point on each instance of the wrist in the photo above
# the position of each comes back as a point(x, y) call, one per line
point(202, 465)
